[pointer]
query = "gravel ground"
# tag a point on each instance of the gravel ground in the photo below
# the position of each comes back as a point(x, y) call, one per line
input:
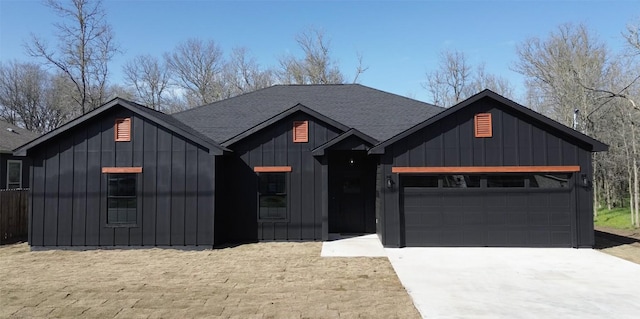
point(263, 280)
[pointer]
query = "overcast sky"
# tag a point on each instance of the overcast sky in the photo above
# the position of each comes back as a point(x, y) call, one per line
point(400, 41)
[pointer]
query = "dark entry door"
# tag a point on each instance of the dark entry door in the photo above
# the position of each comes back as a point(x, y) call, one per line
point(351, 190)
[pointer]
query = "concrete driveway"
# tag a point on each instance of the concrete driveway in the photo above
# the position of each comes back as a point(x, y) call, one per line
point(518, 282)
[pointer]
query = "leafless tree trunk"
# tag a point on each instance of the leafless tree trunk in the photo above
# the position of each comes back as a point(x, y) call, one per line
point(449, 83)
point(317, 66)
point(196, 67)
point(243, 74)
point(150, 78)
point(32, 98)
point(85, 47)
point(455, 80)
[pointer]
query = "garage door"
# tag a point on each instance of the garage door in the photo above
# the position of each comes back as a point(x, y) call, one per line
point(525, 210)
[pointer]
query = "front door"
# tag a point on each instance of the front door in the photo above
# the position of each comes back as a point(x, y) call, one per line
point(351, 190)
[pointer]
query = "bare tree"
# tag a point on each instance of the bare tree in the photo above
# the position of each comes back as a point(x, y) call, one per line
point(31, 98)
point(317, 66)
point(553, 65)
point(85, 47)
point(243, 74)
point(455, 80)
point(150, 78)
point(632, 35)
point(448, 84)
point(483, 80)
point(571, 70)
point(197, 67)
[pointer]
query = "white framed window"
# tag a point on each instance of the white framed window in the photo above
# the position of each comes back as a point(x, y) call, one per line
point(14, 174)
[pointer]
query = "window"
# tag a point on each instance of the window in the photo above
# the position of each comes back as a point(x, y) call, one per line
point(420, 181)
point(460, 181)
point(14, 174)
point(301, 131)
point(508, 181)
point(483, 125)
point(549, 180)
point(122, 130)
point(121, 199)
point(272, 197)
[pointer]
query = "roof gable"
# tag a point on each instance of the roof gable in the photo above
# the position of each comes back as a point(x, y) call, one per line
point(375, 113)
point(158, 117)
point(278, 117)
point(596, 146)
point(352, 133)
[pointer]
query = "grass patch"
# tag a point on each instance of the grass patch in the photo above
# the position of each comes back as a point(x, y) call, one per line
point(615, 218)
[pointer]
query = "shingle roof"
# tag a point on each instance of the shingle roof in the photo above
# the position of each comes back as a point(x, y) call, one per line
point(12, 136)
point(171, 121)
point(378, 114)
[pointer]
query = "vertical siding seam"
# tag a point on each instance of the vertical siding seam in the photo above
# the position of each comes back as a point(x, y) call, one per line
point(530, 139)
point(197, 197)
point(73, 181)
point(184, 196)
point(101, 180)
point(545, 142)
point(442, 146)
point(44, 191)
point(517, 141)
point(314, 208)
point(502, 135)
point(58, 199)
point(561, 151)
point(155, 191)
point(141, 218)
point(86, 184)
point(170, 187)
point(30, 206)
point(458, 138)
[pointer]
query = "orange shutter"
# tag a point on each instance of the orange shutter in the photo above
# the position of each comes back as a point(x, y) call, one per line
point(483, 125)
point(122, 130)
point(301, 131)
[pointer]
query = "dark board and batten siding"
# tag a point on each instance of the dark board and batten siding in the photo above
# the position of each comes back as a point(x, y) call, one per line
point(238, 221)
point(175, 205)
point(516, 141)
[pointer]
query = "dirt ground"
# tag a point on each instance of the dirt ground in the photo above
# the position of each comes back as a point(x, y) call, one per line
point(621, 243)
point(264, 280)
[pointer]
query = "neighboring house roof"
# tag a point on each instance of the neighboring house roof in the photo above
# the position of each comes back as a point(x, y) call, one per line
point(165, 120)
point(596, 146)
point(12, 136)
point(375, 113)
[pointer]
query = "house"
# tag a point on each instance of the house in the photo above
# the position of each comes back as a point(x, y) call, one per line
point(298, 162)
point(14, 170)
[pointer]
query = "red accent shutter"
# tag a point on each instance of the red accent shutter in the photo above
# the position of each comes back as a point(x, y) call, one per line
point(122, 130)
point(483, 125)
point(301, 131)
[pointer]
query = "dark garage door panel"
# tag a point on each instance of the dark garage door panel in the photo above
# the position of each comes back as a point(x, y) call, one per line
point(478, 217)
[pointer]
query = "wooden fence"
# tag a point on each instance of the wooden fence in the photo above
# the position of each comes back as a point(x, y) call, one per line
point(14, 218)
